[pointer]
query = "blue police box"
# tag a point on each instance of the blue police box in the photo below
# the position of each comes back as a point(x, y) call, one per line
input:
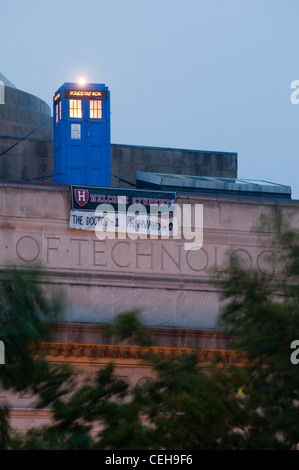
point(82, 147)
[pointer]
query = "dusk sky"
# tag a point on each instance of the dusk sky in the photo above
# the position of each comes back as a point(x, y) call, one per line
point(193, 74)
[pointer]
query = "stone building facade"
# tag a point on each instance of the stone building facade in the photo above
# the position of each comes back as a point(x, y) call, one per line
point(172, 287)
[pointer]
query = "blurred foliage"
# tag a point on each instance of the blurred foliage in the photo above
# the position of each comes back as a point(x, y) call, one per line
point(186, 406)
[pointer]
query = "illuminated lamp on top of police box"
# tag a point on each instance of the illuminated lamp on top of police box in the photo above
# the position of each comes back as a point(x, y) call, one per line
point(98, 94)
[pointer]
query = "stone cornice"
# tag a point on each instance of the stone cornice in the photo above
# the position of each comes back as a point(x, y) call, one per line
point(169, 337)
point(97, 354)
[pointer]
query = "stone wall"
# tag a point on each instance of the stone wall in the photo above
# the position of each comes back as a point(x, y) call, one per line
point(172, 286)
point(126, 160)
point(21, 114)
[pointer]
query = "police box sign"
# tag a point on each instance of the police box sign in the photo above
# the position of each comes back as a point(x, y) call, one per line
point(86, 94)
point(88, 198)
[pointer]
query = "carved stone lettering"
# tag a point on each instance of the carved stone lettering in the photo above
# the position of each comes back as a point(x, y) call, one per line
point(52, 247)
point(145, 254)
point(244, 257)
point(99, 255)
point(27, 249)
point(117, 254)
point(79, 243)
point(197, 260)
point(166, 254)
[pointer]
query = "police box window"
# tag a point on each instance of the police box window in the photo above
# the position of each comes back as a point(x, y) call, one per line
point(95, 109)
point(58, 111)
point(75, 109)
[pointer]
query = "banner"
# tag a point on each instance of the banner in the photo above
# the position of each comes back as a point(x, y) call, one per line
point(88, 198)
point(114, 211)
point(124, 223)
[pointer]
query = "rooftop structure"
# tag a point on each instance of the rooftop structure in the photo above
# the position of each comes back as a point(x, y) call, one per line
point(213, 185)
point(26, 148)
point(6, 82)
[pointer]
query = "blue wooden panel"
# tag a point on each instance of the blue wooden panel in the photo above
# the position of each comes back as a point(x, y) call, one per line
point(82, 147)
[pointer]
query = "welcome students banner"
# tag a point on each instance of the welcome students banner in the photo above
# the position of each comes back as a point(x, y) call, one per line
point(88, 198)
point(88, 201)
